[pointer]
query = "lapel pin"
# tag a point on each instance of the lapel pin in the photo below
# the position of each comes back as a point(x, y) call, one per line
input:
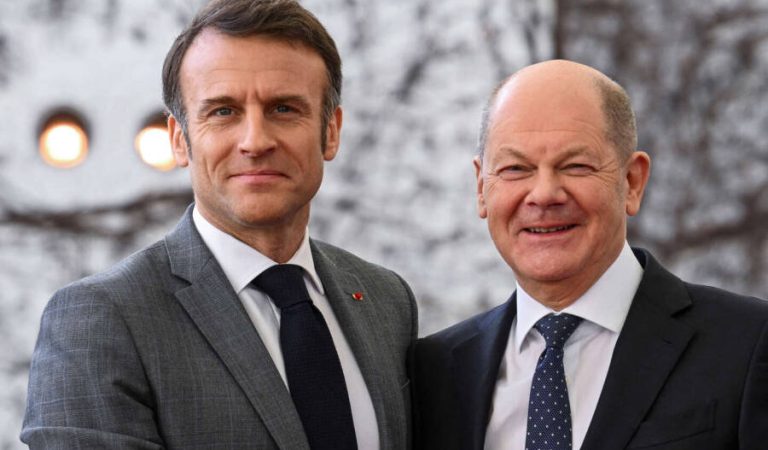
point(358, 296)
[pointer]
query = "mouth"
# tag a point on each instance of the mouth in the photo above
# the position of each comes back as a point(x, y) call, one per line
point(259, 173)
point(259, 179)
point(548, 230)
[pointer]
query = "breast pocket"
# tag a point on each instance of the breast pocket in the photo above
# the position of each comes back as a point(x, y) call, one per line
point(675, 426)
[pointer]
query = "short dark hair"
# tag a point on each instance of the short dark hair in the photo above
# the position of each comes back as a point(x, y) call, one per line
point(284, 20)
point(620, 124)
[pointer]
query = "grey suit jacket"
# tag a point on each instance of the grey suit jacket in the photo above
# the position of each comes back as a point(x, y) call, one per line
point(158, 352)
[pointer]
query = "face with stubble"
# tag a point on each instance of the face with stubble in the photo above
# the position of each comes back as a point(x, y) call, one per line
point(255, 144)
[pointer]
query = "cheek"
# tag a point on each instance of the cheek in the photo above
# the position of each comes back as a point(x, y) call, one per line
point(207, 166)
point(310, 156)
point(610, 208)
point(314, 171)
point(501, 199)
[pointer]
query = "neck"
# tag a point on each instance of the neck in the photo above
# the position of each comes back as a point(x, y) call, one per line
point(278, 240)
point(554, 296)
point(561, 293)
point(279, 245)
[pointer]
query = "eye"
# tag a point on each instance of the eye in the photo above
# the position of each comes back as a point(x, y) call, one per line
point(283, 108)
point(514, 171)
point(223, 112)
point(578, 169)
point(514, 168)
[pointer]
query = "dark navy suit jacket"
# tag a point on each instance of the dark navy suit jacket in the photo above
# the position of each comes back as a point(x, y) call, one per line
point(689, 371)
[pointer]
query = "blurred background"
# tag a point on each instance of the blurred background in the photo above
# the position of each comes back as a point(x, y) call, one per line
point(401, 191)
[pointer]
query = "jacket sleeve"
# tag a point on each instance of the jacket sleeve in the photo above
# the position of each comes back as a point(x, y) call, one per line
point(87, 387)
point(753, 423)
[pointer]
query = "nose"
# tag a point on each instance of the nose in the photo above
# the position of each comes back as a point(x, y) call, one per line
point(257, 137)
point(546, 190)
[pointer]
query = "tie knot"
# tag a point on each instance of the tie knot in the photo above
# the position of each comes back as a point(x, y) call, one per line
point(284, 284)
point(556, 329)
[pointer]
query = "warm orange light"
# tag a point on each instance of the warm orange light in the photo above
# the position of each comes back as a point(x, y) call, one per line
point(63, 143)
point(154, 147)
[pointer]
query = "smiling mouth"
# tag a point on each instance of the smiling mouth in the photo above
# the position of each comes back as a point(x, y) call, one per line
point(543, 230)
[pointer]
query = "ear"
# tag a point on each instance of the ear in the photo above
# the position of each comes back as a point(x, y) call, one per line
point(482, 211)
point(638, 171)
point(333, 135)
point(178, 142)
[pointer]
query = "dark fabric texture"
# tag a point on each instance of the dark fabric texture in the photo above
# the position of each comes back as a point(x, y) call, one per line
point(312, 366)
point(689, 371)
point(549, 409)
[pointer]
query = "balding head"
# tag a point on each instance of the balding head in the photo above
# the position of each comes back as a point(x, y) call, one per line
point(559, 177)
point(548, 87)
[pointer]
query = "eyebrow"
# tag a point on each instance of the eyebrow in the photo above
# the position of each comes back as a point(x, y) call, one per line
point(511, 151)
point(296, 99)
point(576, 151)
point(208, 103)
point(508, 151)
point(214, 101)
point(299, 100)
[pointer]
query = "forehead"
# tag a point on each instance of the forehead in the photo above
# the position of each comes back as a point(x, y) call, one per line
point(548, 103)
point(215, 59)
point(549, 111)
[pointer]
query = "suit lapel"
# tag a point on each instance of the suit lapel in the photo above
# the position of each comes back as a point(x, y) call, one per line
point(356, 319)
point(475, 366)
point(216, 310)
point(648, 348)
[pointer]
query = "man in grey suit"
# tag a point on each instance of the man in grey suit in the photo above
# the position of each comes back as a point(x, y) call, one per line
point(177, 346)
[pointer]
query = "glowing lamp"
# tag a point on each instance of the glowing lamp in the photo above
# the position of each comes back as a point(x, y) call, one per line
point(153, 144)
point(63, 140)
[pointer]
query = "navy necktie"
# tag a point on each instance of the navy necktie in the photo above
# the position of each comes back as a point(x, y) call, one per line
point(549, 411)
point(312, 366)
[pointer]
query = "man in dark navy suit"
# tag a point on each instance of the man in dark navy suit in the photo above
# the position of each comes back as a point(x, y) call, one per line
point(599, 347)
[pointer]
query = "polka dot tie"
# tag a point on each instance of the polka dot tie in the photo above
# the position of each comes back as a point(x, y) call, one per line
point(549, 412)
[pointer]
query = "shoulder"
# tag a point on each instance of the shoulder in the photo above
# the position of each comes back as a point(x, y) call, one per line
point(739, 321)
point(445, 340)
point(663, 287)
point(698, 305)
point(727, 307)
point(397, 303)
point(728, 299)
point(341, 259)
point(127, 281)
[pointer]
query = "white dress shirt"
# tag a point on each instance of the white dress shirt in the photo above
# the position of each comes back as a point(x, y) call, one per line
point(241, 264)
point(587, 353)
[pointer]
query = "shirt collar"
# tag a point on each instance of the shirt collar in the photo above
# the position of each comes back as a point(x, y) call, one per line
point(606, 303)
point(242, 263)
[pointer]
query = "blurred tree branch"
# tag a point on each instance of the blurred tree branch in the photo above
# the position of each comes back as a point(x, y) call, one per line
point(120, 221)
point(698, 75)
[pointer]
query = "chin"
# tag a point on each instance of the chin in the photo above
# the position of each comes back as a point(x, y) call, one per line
point(546, 271)
point(257, 219)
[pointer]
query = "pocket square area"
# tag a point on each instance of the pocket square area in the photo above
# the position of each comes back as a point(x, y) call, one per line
point(676, 425)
